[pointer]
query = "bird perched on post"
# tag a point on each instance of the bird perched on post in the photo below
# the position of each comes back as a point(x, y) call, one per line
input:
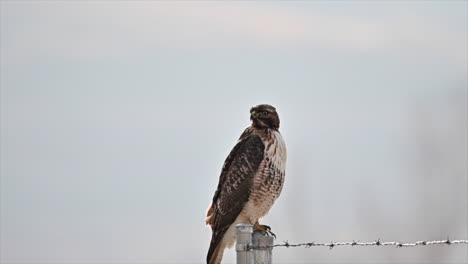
point(251, 180)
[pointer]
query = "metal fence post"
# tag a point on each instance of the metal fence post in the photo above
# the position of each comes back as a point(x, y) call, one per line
point(244, 241)
point(262, 244)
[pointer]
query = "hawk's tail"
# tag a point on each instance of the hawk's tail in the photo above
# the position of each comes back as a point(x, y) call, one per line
point(215, 253)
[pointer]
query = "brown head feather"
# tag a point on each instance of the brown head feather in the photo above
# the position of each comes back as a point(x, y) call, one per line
point(264, 116)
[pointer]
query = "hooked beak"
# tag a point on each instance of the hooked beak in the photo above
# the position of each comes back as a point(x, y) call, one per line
point(253, 115)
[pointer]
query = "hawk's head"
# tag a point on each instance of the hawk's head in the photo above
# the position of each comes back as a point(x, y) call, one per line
point(264, 116)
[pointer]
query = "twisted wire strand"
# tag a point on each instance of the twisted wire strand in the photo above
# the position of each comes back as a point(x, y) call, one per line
point(332, 245)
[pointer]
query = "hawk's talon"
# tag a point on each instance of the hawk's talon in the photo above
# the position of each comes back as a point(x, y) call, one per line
point(272, 234)
point(264, 229)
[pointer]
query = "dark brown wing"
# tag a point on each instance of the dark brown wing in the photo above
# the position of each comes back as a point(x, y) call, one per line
point(234, 186)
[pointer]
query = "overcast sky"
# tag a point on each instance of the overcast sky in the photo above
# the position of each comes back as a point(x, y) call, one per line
point(116, 118)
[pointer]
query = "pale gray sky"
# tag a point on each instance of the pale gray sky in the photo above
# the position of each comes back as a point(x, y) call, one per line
point(116, 118)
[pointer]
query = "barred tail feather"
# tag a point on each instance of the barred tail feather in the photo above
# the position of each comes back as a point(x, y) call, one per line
point(216, 255)
point(217, 246)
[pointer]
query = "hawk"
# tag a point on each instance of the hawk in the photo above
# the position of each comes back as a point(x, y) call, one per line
point(251, 180)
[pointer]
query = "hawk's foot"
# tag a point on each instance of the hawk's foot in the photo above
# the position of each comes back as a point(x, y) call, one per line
point(264, 229)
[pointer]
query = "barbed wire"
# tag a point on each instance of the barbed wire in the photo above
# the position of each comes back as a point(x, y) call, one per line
point(353, 243)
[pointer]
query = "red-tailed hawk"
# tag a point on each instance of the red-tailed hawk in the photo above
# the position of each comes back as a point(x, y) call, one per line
point(251, 179)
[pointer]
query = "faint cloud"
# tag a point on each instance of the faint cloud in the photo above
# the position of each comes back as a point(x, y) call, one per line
point(88, 31)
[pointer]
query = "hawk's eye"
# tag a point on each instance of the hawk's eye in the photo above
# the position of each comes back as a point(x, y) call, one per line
point(264, 113)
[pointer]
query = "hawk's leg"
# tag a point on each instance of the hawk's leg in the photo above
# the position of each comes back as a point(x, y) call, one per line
point(264, 229)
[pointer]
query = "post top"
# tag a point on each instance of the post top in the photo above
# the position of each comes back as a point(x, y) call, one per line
point(244, 228)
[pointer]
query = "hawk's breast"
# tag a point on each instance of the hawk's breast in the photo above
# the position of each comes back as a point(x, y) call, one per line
point(269, 179)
